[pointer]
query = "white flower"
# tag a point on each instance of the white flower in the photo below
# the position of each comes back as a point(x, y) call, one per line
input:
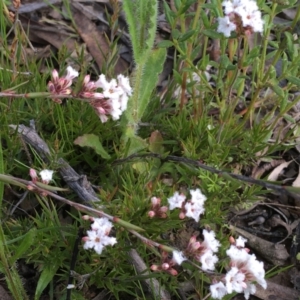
point(208, 260)
point(237, 11)
point(102, 224)
point(178, 257)
point(235, 281)
point(197, 197)
point(46, 176)
point(240, 242)
point(71, 73)
point(218, 290)
point(117, 92)
point(236, 254)
point(226, 26)
point(250, 289)
point(98, 238)
point(194, 210)
point(176, 201)
point(210, 241)
point(123, 82)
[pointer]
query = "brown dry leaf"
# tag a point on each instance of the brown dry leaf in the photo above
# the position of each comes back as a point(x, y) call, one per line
point(95, 40)
point(40, 33)
point(275, 173)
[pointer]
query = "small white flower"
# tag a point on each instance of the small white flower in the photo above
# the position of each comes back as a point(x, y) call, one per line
point(178, 257)
point(96, 240)
point(71, 73)
point(226, 26)
point(250, 289)
point(210, 241)
point(240, 242)
point(208, 260)
point(176, 200)
point(102, 224)
point(194, 210)
point(46, 175)
point(218, 290)
point(235, 281)
point(197, 197)
point(236, 254)
point(123, 82)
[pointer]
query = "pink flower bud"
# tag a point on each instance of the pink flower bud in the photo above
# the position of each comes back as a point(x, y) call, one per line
point(155, 201)
point(151, 214)
point(86, 218)
point(33, 175)
point(164, 209)
point(232, 240)
point(154, 267)
point(165, 266)
point(173, 272)
point(181, 215)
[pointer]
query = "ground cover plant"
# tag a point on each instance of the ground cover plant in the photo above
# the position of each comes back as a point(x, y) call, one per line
point(172, 175)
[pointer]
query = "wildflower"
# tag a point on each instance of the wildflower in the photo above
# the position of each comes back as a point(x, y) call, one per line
point(98, 238)
point(195, 207)
point(60, 85)
point(241, 16)
point(178, 257)
point(245, 269)
point(225, 26)
point(208, 260)
point(204, 251)
point(218, 290)
point(176, 200)
point(115, 95)
point(156, 209)
point(46, 176)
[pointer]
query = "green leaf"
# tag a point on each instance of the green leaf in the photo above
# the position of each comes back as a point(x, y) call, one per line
point(186, 35)
point(92, 141)
point(153, 67)
point(212, 33)
point(141, 17)
point(45, 278)
point(28, 240)
point(165, 44)
point(294, 80)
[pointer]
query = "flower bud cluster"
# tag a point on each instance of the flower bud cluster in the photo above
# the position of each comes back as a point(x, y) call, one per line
point(156, 209)
point(241, 16)
point(97, 238)
point(112, 100)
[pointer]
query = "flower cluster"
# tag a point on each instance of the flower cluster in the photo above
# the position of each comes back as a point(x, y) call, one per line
point(245, 269)
point(112, 100)
point(204, 251)
point(97, 238)
point(192, 208)
point(241, 16)
point(46, 175)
